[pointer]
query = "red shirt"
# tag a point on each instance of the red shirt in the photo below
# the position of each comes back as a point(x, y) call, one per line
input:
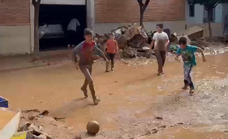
point(87, 49)
point(112, 46)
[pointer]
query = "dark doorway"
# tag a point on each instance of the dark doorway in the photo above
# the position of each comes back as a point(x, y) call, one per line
point(57, 18)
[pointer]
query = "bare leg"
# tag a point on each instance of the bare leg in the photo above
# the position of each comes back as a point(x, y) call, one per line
point(84, 88)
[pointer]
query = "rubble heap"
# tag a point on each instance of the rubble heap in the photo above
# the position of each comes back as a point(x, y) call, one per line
point(132, 39)
point(36, 124)
point(194, 36)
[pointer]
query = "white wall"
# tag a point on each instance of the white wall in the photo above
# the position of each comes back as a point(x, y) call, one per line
point(200, 14)
point(225, 10)
point(90, 14)
point(218, 13)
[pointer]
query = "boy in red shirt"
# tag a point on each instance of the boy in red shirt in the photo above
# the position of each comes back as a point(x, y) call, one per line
point(112, 50)
point(87, 51)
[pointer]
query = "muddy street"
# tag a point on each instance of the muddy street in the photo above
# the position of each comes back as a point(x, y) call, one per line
point(135, 102)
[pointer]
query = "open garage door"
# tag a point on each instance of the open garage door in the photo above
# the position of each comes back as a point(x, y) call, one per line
point(55, 19)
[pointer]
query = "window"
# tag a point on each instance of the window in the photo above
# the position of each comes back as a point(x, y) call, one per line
point(191, 10)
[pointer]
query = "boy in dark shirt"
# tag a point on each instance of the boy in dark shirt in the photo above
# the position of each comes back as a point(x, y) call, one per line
point(85, 50)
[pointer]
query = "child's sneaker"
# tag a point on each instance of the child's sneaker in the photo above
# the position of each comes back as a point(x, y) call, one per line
point(85, 92)
point(96, 101)
point(191, 92)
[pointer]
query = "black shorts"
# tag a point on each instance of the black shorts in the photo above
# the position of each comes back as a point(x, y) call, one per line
point(111, 56)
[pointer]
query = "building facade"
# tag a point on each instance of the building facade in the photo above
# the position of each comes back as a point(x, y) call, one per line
point(196, 15)
point(17, 18)
point(112, 13)
point(15, 27)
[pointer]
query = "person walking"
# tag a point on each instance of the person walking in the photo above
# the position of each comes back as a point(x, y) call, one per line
point(160, 41)
point(111, 50)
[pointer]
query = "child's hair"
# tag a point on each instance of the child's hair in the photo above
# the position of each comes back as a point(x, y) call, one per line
point(88, 31)
point(183, 40)
point(160, 25)
point(111, 34)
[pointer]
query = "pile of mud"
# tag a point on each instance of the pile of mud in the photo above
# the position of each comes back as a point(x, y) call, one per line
point(43, 126)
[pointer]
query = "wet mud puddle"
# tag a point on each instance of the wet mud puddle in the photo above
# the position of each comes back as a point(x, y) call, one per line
point(135, 102)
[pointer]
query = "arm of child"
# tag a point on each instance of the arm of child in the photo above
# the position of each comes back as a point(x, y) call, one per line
point(117, 47)
point(202, 53)
point(177, 55)
point(99, 52)
point(105, 47)
point(75, 52)
point(153, 40)
point(166, 41)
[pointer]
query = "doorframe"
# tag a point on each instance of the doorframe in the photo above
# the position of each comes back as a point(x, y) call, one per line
point(90, 9)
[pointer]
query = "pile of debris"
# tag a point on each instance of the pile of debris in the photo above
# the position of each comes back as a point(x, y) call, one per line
point(132, 40)
point(194, 36)
point(34, 124)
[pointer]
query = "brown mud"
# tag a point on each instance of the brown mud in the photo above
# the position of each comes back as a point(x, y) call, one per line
point(135, 102)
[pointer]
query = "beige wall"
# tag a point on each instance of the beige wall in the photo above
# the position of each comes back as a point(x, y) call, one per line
point(14, 40)
point(217, 28)
point(174, 26)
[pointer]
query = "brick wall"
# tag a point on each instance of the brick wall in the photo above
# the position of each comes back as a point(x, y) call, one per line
point(122, 11)
point(14, 12)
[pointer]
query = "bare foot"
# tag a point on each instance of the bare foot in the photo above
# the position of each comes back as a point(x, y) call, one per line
point(191, 92)
point(96, 101)
point(85, 92)
point(185, 87)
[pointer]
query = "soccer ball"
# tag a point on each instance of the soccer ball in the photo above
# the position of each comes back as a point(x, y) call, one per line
point(93, 127)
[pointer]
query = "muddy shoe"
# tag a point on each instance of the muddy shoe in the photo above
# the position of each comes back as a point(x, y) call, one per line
point(96, 101)
point(85, 92)
point(112, 69)
point(106, 71)
point(191, 92)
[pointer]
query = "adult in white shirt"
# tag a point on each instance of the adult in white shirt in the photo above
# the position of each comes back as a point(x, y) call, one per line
point(72, 31)
point(160, 41)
